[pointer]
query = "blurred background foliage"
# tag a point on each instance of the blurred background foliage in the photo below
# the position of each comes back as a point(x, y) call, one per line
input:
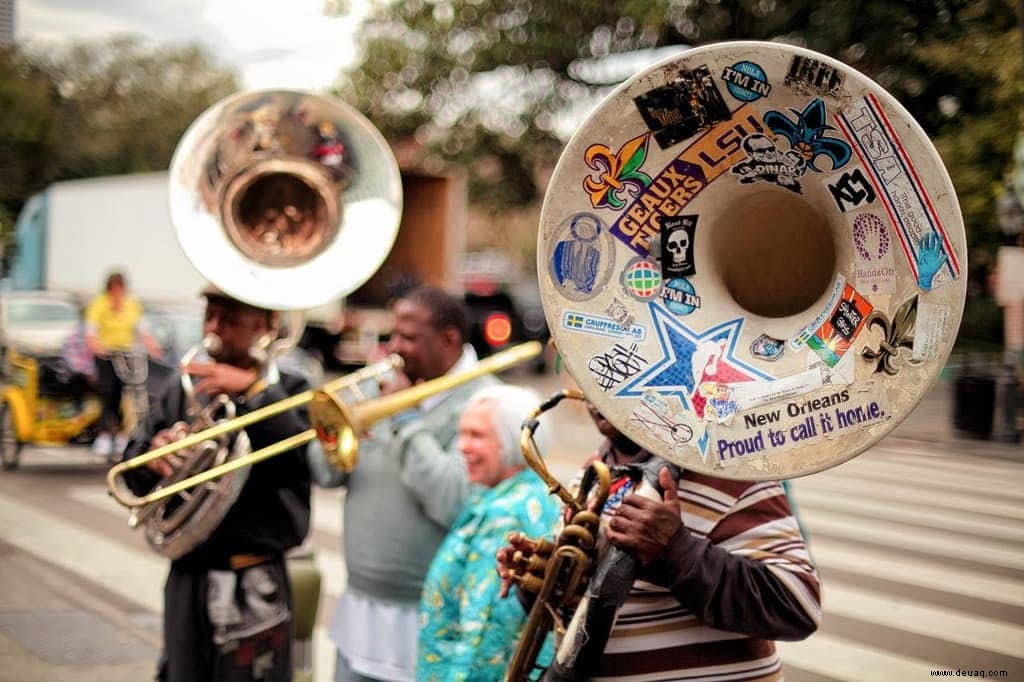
point(93, 109)
point(494, 88)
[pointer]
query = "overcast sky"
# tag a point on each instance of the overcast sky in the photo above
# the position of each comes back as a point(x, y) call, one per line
point(270, 43)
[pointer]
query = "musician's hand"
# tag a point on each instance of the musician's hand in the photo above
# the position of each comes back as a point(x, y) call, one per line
point(219, 377)
point(642, 526)
point(399, 383)
point(518, 542)
point(165, 466)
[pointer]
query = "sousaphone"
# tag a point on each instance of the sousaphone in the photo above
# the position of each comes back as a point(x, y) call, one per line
point(286, 201)
point(753, 263)
point(752, 260)
point(283, 199)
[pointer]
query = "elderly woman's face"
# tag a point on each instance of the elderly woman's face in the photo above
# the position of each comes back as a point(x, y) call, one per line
point(480, 446)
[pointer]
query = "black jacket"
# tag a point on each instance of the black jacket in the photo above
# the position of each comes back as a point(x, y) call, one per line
point(271, 513)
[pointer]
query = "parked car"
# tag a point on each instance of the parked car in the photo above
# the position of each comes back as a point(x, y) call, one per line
point(37, 322)
point(503, 314)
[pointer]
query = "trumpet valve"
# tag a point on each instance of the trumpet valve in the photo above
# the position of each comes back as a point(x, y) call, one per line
point(527, 582)
point(544, 546)
point(529, 563)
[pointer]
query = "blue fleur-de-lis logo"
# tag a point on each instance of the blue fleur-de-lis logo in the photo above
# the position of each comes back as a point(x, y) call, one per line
point(807, 137)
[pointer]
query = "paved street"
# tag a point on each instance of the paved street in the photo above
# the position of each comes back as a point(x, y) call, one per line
point(920, 543)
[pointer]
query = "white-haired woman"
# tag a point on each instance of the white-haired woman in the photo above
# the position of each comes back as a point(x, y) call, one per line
point(466, 631)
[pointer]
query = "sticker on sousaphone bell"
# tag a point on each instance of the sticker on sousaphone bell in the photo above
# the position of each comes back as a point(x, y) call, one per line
point(793, 164)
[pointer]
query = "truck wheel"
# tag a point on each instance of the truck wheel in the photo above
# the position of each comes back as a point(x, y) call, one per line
point(10, 448)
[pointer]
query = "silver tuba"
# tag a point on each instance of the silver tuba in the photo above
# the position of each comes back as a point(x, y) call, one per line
point(287, 201)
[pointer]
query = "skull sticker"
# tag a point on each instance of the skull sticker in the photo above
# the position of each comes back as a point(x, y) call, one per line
point(677, 246)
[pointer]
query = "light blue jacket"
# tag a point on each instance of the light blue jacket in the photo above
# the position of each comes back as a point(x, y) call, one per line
point(466, 631)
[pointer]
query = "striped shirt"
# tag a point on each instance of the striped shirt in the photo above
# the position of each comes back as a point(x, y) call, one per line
point(735, 577)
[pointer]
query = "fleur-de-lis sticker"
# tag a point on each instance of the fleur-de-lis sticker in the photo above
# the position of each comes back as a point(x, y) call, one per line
point(618, 174)
point(897, 333)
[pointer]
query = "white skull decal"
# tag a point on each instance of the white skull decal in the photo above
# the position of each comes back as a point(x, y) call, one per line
point(760, 148)
point(678, 245)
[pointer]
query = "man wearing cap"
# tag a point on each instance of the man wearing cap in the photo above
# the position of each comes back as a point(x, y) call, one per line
point(227, 603)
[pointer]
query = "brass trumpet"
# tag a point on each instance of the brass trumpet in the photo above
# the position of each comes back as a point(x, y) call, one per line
point(566, 564)
point(336, 423)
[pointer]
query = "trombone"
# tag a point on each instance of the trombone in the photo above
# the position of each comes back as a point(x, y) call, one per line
point(334, 422)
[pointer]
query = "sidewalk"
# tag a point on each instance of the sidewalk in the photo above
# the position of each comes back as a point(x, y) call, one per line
point(58, 627)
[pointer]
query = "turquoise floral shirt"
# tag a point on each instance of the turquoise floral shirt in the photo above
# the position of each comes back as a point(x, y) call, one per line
point(467, 632)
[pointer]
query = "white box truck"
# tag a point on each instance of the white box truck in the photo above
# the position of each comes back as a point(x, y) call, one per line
point(74, 233)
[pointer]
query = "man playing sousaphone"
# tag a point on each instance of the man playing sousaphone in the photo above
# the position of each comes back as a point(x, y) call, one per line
point(722, 570)
point(227, 602)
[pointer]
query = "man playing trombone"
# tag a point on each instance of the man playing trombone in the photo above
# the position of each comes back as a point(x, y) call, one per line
point(227, 602)
point(406, 491)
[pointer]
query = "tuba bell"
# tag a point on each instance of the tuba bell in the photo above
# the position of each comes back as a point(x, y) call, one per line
point(286, 201)
point(752, 262)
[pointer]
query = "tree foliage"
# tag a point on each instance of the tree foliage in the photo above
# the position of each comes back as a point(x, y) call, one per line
point(97, 109)
point(490, 84)
point(27, 122)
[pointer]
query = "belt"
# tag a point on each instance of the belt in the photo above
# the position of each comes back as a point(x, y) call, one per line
point(240, 561)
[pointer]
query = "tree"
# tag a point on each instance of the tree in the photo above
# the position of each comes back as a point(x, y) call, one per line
point(129, 104)
point(97, 109)
point(27, 122)
point(980, 113)
point(489, 84)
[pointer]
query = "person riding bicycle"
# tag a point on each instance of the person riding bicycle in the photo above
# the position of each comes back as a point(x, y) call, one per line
point(113, 324)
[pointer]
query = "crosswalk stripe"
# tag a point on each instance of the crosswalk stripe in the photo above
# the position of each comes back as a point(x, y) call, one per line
point(326, 510)
point(991, 484)
point(838, 555)
point(328, 559)
point(810, 500)
point(982, 633)
point(85, 553)
point(323, 655)
point(854, 516)
point(908, 493)
point(332, 571)
point(934, 542)
point(840, 659)
point(105, 562)
point(922, 457)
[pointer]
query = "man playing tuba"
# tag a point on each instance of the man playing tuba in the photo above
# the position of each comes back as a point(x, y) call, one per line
point(722, 570)
point(227, 602)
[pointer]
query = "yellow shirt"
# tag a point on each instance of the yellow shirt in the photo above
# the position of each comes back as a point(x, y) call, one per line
point(115, 329)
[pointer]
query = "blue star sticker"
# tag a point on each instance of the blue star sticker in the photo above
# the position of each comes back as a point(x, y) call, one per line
point(673, 374)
